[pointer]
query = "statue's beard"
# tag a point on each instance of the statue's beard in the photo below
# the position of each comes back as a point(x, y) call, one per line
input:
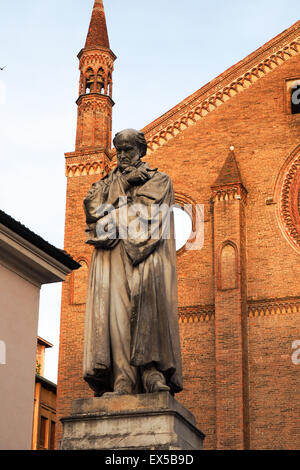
point(123, 164)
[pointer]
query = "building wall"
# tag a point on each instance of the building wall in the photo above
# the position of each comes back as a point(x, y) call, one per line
point(256, 122)
point(18, 331)
point(199, 375)
point(274, 382)
point(40, 359)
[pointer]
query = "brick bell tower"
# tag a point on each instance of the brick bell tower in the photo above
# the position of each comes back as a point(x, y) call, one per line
point(89, 163)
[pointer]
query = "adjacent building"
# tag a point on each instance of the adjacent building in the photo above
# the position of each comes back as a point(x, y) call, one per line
point(26, 263)
point(44, 412)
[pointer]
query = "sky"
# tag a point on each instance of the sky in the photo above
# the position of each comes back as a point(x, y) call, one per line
point(166, 49)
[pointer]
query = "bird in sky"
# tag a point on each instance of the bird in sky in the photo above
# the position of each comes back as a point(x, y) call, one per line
point(2, 68)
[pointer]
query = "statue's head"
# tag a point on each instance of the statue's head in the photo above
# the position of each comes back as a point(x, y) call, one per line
point(131, 145)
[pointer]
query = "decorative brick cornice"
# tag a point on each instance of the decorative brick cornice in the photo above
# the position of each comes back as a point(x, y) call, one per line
point(256, 308)
point(86, 168)
point(87, 162)
point(229, 192)
point(93, 59)
point(94, 102)
point(87, 154)
point(196, 314)
point(235, 80)
point(268, 307)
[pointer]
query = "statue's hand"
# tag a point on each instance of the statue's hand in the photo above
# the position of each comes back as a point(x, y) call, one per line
point(135, 175)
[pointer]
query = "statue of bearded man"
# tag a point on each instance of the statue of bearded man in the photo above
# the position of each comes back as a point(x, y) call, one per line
point(131, 326)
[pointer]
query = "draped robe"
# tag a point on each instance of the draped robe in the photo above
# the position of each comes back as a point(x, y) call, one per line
point(154, 327)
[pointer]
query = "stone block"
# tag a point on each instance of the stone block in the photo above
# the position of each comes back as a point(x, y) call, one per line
point(130, 422)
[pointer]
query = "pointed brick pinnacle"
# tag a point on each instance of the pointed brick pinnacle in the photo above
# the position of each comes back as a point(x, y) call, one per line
point(99, 4)
point(230, 173)
point(97, 35)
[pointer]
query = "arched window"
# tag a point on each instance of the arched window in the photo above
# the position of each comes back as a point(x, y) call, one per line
point(89, 80)
point(295, 97)
point(292, 96)
point(100, 81)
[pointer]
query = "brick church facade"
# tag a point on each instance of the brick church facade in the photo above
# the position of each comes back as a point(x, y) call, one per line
point(233, 146)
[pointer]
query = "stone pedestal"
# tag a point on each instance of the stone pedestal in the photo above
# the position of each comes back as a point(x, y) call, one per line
point(130, 422)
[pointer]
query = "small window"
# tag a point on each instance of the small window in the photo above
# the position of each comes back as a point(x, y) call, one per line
point(43, 428)
point(52, 435)
point(295, 98)
point(292, 97)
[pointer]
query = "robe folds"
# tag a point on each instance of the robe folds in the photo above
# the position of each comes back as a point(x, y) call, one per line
point(154, 331)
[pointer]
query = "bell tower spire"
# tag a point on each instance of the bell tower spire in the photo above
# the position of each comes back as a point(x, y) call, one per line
point(96, 64)
point(97, 35)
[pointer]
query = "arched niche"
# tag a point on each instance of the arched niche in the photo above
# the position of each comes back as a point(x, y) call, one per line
point(227, 276)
